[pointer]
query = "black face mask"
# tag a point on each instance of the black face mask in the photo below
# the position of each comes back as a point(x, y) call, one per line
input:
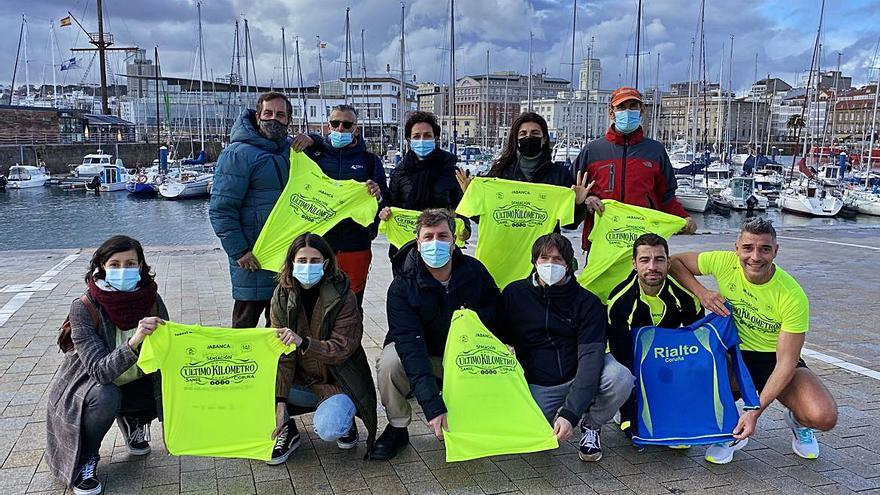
point(529, 147)
point(272, 129)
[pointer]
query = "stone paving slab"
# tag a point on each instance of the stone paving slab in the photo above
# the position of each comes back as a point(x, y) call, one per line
point(194, 282)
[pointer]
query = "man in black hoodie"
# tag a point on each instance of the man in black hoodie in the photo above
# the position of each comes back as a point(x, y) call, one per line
point(436, 279)
point(557, 330)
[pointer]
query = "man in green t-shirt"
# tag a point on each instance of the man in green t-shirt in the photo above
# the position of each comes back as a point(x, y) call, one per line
point(772, 315)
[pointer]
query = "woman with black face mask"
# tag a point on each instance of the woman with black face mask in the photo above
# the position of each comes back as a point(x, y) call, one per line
point(527, 157)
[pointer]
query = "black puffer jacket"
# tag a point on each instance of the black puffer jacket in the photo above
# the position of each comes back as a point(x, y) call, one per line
point(420, 311)
point(558, 333)
point(427, 183)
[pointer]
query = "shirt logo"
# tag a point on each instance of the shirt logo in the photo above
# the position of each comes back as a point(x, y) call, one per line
point(748, 314)
point(622, 237)
point(310, 209)
point(673, 354)
point(357, 166)
point(520, 215)
point(219, 371)
point(405, 222)
point(485, 361)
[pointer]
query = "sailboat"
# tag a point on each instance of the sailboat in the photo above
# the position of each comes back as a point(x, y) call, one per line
point(806, 196)
point(690, 197)
point(192, 184)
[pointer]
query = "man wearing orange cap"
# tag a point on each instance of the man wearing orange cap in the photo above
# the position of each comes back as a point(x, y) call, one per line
point(627, 166)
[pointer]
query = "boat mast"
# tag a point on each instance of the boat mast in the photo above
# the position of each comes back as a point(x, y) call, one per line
point(638, 40)
point(284, 79)
point(570, 120)
point(201, 80)
point(728, 139)
point(54, 79)
point(158, 122)
point(753, 138)
point(719, 145)
point(798, 128)
point(348, 71)
point(27, 62)
point(364, 93)
point(247, 71)
point(689, 120)
point(486, 106)
point(656, 103)
point(321, 45)
point(300, 92)
point(531, 37)
point(17, 53)
point(451, 103)
point(703, 85)
point(769, 115)
point(402, 91)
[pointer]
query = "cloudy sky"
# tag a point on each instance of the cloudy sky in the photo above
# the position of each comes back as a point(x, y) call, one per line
point(781, 32)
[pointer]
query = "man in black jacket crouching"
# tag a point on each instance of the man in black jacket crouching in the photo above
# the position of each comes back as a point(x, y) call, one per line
point(557, 329)
point(436, 279)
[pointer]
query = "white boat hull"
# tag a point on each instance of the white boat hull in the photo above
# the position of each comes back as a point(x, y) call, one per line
point(27, 184)
point(697, 203)
point(811, 206)
point(183, 190)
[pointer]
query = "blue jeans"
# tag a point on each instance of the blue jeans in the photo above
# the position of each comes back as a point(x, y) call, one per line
point(333, 415)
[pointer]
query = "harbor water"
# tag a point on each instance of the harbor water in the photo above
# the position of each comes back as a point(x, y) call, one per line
point(49, 218)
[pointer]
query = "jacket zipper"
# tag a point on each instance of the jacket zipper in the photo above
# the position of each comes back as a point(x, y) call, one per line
point(547, 331)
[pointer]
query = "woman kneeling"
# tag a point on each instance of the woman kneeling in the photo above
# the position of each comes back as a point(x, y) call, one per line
point(98, 381)
point(314, 308)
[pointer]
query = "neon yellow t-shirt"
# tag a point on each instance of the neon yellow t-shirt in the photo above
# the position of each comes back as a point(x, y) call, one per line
point(656, 305)
point(310, 202)
point(759, 311)
point(513, 215)
point(612, 238)
point(218, 388)
point(401, 227)
point(490, 408)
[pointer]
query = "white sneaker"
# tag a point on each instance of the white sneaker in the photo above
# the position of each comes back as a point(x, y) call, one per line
point(804, 442)
point(722, 453)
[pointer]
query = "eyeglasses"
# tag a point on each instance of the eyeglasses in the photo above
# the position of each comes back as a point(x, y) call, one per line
point(345, 123)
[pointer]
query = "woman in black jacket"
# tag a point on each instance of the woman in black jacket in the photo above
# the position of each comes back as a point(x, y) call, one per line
point(425, 177)
point(527, 158)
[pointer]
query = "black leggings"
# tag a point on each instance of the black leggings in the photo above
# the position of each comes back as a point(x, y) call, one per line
point(103, 403)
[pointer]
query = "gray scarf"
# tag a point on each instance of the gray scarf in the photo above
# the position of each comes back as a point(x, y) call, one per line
point(528, 166)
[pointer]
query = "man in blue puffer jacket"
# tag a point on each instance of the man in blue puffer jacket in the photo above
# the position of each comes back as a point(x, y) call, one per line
point(250, 175)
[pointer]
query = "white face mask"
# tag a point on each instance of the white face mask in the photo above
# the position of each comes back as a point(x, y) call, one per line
point(550, 273)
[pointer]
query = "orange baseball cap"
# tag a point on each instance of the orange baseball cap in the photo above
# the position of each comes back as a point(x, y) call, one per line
point(623, 94)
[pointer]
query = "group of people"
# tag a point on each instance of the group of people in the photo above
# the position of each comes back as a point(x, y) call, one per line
point(576, 353)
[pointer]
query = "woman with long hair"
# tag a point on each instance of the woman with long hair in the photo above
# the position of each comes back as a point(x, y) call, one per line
point(527, 157)
point(315, 309)
point(99, 381)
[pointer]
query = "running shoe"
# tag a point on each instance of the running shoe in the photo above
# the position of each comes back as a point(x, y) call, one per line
point(722, 453)
point(804, 442)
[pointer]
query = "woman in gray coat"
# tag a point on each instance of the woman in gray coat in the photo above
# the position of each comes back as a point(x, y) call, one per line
point(99, 381)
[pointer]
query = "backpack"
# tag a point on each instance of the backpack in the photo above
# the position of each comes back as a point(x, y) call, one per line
point(65, 342)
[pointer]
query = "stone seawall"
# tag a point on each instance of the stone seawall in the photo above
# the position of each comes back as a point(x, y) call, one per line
point(58, 156)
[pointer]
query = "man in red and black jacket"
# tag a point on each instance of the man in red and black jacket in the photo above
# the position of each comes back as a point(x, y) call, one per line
point(627, 166)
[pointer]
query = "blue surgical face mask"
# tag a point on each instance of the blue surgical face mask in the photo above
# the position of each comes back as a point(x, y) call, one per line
point(340, 139)
point(436, 253)
point(308, 274)
point(123, 279)
point(627, 121)
point(422, 147)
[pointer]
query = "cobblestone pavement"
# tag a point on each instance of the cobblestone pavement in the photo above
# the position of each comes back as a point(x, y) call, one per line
point(36, 288)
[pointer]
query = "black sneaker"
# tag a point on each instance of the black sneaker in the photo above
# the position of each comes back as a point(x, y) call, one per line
point(137, 435)
point(590, 449)
point(350, 439)
point(86, 483)
point(285, 443)
point(389, 443)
